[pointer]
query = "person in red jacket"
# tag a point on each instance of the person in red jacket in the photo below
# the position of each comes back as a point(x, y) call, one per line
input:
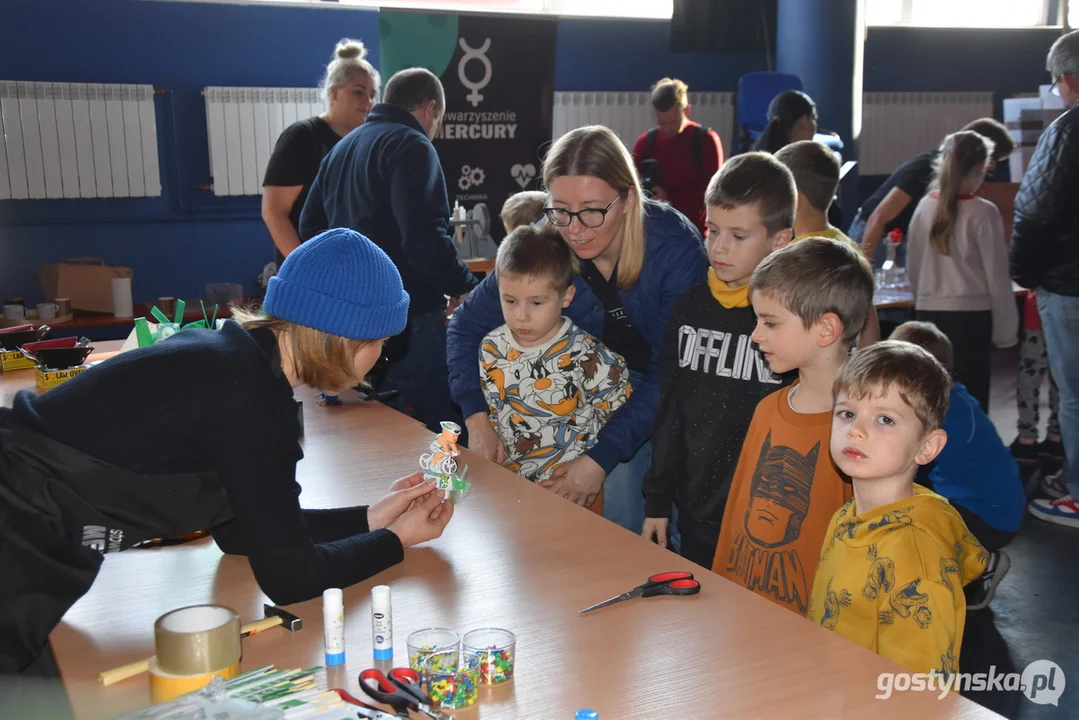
point(678, 157)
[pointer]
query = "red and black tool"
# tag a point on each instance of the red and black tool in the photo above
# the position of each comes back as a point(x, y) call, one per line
point(668, 583)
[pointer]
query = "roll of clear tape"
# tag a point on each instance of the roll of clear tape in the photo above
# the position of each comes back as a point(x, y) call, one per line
point(191, 645)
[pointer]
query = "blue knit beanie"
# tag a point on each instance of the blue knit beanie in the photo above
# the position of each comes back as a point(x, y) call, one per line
point(341, 283)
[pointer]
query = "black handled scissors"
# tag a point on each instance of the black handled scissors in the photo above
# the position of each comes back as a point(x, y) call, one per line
point(668, 583)
point(363, 709)
point(400, 689)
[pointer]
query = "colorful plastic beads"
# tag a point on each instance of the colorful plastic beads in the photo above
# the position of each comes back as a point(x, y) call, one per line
point(496, 666)
point(496, 649)
point(418, 656)
point(452, 679)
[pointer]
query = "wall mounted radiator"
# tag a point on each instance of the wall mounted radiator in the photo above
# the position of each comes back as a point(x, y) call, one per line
point(630, 113)
point(77, 140)
point(895, 126)
point(243, 125)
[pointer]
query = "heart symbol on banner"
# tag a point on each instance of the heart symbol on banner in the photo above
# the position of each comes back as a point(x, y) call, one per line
point(523, 174)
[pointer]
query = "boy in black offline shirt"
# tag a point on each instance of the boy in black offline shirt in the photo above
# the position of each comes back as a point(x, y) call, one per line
point(711, 375)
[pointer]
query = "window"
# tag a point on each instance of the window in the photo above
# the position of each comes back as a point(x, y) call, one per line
point(659, 9)
point(961, 13)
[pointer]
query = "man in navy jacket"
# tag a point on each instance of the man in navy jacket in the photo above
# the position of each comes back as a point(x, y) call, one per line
point(385, 181)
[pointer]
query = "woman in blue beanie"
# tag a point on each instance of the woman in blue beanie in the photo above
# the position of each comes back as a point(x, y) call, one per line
point(201, 432)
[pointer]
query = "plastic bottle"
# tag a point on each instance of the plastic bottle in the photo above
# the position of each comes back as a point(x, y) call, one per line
point(382, 622)
point(890, 268)
point(333, 626)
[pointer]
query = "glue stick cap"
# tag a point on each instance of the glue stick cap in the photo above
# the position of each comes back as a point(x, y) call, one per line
point(587, 715)
point(333, 598)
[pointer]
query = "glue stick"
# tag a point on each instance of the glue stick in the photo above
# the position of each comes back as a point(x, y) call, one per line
point(382, 622)
point(333, 625)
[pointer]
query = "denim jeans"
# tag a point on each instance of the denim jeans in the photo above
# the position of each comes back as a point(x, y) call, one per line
point(420, 376)
point(1060, 323)
point(856, 232)
point(623, 498)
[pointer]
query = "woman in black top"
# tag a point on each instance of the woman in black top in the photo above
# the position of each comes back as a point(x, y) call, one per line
point(351, 86)
point(201, 432)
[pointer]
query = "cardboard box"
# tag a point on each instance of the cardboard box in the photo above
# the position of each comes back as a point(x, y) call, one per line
point(48, 379)
point(87, 281)
point(14, 360)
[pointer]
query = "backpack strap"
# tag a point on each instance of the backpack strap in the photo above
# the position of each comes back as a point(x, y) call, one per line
point(700, 134)
point(649, 143)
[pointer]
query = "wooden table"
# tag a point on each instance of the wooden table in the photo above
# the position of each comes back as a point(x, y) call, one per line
point(514, 556)
point(892, 299)
point(480, 265)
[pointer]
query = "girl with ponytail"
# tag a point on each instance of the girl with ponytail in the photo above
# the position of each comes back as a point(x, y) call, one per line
point(792, 116)
point(958, 262)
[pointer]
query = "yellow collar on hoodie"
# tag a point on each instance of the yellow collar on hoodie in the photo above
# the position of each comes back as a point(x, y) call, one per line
point(727, 296)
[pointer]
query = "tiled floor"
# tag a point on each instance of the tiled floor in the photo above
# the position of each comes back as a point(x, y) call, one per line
point(1035, 614)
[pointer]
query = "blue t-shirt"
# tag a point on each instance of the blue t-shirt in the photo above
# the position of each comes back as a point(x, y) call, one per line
point(976, 469)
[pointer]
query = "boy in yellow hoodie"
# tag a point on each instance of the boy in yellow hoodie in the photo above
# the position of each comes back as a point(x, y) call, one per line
point(896, 557)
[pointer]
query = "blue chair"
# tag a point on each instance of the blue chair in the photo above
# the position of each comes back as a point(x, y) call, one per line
point(755, 93)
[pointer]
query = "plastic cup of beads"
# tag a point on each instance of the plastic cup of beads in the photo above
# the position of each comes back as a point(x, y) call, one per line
point(452, 678)
point(495, 648)
point(424, 642)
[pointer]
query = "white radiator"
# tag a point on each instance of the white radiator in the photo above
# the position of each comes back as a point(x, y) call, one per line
point(77, 140)
point(897, 126)
point(243, 125)
point(630, 113)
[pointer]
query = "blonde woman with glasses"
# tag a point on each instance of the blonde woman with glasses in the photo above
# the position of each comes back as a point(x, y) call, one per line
point(635, 258)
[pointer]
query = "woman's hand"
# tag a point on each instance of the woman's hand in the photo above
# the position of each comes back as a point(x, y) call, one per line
point(424, 522)
point(405, 494)
point(580, 480)
point(483, 440)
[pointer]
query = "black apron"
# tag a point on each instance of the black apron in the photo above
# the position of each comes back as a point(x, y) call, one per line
point(60, 511)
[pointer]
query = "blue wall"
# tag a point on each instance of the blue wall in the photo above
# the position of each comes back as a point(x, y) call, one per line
point(179, 242)
point(630, 55)
point(187, 238)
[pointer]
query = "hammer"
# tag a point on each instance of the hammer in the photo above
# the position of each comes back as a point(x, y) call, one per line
point(274, 616)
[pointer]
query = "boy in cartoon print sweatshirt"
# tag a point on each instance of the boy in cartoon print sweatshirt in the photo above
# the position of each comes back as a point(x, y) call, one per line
point(896, 557)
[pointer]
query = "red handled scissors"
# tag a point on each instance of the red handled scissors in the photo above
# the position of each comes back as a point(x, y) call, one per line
point(668, 583)
point(400, 689)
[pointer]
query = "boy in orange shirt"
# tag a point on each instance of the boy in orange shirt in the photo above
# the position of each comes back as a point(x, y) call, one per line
point(811, 300)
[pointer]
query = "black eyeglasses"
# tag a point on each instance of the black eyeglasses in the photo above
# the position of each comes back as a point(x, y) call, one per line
point(1055, 87)
point(589, 217)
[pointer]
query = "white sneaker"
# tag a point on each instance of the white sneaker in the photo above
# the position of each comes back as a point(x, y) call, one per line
point(1062, 511)
point(1054, 485)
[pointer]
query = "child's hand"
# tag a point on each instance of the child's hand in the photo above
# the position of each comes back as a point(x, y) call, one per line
point(483, 440)
point(579, 480)
point(655, 529)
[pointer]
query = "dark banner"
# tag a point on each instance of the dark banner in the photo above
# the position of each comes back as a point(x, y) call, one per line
point(498, 73)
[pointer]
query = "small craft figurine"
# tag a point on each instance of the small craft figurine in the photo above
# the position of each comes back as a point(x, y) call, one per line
point(440, 463)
